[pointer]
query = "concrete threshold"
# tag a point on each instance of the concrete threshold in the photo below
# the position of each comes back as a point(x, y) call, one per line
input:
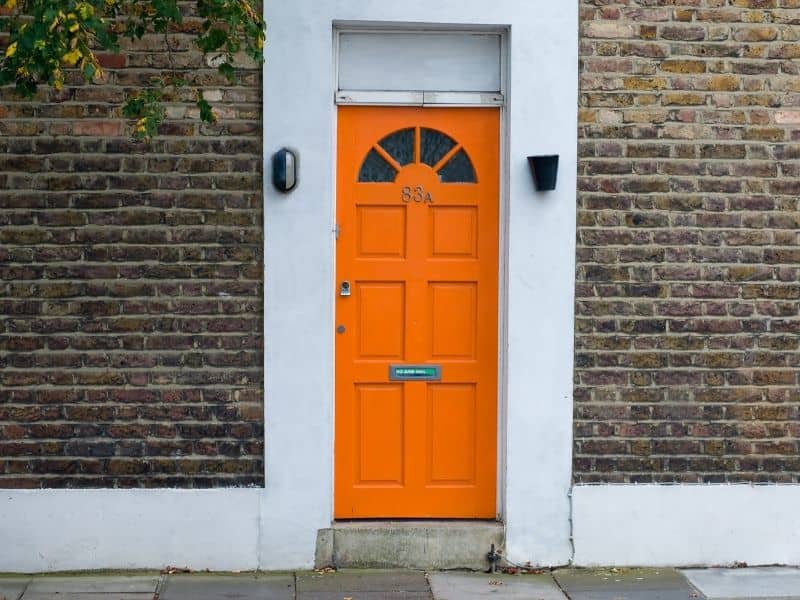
point(434, 545)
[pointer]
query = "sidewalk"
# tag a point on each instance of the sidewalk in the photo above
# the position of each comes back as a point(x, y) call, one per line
point(561, 584)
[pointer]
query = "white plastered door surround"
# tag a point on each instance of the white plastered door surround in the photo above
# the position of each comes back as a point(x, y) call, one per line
point(540, 117)
point(276, 527)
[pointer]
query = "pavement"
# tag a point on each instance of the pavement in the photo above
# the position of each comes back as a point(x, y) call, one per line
point(764, 583)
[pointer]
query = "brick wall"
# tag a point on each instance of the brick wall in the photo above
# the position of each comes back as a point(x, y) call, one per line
point(130, 285)
point(688, 252)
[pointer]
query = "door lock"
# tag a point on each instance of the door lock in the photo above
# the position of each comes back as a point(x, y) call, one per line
point(344, 288)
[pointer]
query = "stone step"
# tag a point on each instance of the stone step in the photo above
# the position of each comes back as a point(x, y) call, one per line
point(409, 544)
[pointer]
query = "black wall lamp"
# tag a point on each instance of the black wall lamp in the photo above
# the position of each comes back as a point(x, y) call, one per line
point(545, 171)
point(284, 170)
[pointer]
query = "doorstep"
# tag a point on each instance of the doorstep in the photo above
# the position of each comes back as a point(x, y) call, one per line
point(435, 545)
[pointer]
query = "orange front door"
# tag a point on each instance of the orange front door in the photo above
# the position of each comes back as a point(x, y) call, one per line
point(416, 312)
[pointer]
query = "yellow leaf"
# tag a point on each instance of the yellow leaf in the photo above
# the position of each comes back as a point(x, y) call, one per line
point(72, 57)
point(11, 4)
point(11, 50)
point(85, 10)
point(74, 27)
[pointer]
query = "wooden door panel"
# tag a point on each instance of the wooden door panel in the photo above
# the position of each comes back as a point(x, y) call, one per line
point(381, 313)
point(381, 231)
point(454, 232)
point(453, 310)
point(417, 209)
point(380, 411)
point(452, 426)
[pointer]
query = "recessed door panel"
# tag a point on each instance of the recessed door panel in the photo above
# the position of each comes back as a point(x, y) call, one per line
point(453, 319)
point(454, 231)
point(381, 323)
point(381, 231)
point(452, 422)
point(416, 337)
point(380, 413)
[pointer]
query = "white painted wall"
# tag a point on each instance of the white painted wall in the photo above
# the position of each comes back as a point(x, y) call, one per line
point(686, 525)
point(299, 257)
point(58, 530)
point(622, 525)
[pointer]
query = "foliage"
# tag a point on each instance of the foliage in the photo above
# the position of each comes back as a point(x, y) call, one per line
point(47, 37)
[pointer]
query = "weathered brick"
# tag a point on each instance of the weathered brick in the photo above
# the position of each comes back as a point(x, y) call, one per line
point(699, 368)
point(683, 66)
point(109, 249)
point(608, 29)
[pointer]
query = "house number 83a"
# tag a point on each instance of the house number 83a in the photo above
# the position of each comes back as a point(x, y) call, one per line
point(415, 194)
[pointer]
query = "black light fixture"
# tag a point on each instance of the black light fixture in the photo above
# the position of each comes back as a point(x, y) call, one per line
point(545, 171)
point(284, 170)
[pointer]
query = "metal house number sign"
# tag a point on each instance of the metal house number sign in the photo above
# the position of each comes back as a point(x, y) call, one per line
point(416, 194)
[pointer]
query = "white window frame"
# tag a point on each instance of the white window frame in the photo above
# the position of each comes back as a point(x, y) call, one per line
point(420, 97)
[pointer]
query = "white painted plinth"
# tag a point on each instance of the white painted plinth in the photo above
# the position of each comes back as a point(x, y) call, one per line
point(59, 530)
point(684, 525)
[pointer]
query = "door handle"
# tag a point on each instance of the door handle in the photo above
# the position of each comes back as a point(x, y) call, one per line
point(344, 288)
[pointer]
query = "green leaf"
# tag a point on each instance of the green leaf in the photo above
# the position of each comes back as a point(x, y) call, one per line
point(214, 39)
point(89, 71)
point(206, 113)
point(228, 71)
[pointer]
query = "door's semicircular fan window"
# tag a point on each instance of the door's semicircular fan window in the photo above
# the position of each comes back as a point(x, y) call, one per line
point(417, 145)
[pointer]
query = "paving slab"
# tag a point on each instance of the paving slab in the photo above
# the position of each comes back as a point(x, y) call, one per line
point(94, 584)
point(214, 587)
point(86, 596)
point(11, 588)
point(363, 596)
point(381, 581)
point(625, 584)
point(755, 583)
point(474, 586)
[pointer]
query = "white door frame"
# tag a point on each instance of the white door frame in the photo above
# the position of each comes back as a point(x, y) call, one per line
point(455, 100)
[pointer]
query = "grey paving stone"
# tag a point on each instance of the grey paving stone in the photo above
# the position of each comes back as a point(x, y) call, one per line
point(795, 597)
point(363, 596)
point(625, 584)
point(473, 586)
point(86, 596)
point(754, 583)
point(363, 581)
point(11, 588)
point(221, 587)
point(95, 584)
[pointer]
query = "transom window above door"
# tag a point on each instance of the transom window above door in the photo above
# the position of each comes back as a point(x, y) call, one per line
point(393, 66)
